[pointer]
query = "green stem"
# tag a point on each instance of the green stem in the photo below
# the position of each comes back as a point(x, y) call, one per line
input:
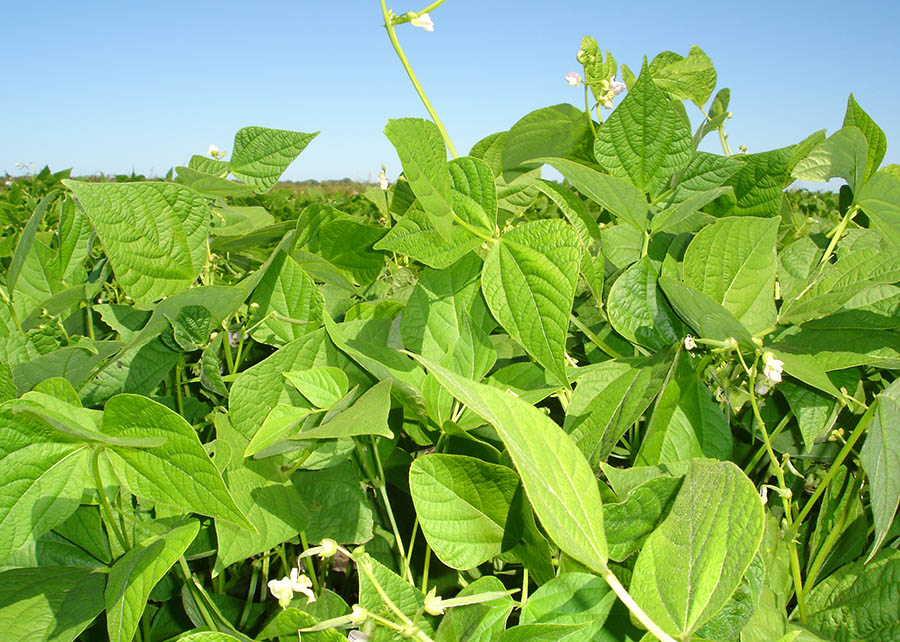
point(636, 610)
point(835, 466)
point(389, 23)
point(382, 488)
point(837, 233)
point(762, 450)
point(426, 568)
point(89, 319)
point(105, 507)
point(248, 603)
point(307, 561)
point(596, 340)
point(399, 20)
point(587, 110)
point(198, 599)
point(836, 531)
point(179, 403)
point(364, 567)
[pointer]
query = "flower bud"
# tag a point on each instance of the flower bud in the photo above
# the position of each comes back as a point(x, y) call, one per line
point(573, 79)
point(423, 21)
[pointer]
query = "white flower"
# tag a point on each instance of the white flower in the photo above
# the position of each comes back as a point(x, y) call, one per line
point(302, 584)
point(8, 183)
point(213, 151)
point(383, 181)
point(761, 387)
point(423, 21)
point(357, 636)
point(772, 368)
point(689, 343)
point(282, 590)
point(608, 104)
point(573, 79)
point(616, 87)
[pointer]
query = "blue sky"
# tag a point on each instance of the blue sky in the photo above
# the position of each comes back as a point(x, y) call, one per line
point(115, 86)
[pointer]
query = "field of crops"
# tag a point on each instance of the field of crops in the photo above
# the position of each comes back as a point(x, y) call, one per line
point(653, 401)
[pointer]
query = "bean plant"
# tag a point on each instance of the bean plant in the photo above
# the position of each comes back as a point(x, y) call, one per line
point(655, 400)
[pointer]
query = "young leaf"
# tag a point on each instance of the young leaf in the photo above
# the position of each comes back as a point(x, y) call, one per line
point(323, 386)
point(876, 142)
point(367, 416)
point(692, 78)
point(638, 310)
point(462, 503)
point(690, 565)
point(558, 481)
point(880, 456)
point(135, 574)
point(153, 233)
point(733, 262)
point(260, 155)
point(842, 155)
point(424, 157)
point(529, 283)
point(644, 140)
point(416, 236)
point(178, 473)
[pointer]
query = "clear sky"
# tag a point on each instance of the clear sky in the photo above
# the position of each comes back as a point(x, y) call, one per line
point(113, 86)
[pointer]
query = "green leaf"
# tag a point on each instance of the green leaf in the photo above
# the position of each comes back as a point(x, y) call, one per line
point(596, 68)
point(290, 293)
point(558, 481)
point(569, 598)
point(282, 422)
point(644, 140)
point(416, 236)
point(707, 317)
point(42, 477)
point(704, 172)
point(138, 370)
point(473, 190)
point(260, 155)
point(686, 423)
point(178, 473)
point(609, 398)
point(876, 141)
point(638, 310)
point(861, 601)
point(690, 565)
point(759, 183)
point(880, 456)
point(52, 603)
point(733, 261)
point(880, 199)
point(842, 155)
point(153, 233)
point(482, 622)
point(135, 574)
point(618, 196)
point(559, 131)
point(424, 158)
point(26, 240)
point(211, 185)
point(528, 281)
point(813, 409)
point(337, 504)
point(408, 599)
point(323, 386)
point(462, 503)
point(630, 522)
point(840, 349)
point(367, 416)
point(692, 78)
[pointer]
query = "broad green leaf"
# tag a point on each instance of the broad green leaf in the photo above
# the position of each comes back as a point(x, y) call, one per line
point(861, 601)
point(282, 422)
point(880, 456)
point(638, 310)
point(570, 598)
point(686, 423)
point(690, 565)
point(153, 233)
point(759, 182)
point(367, 416)
point(813, 409)
point(473, 189)
point(733, 262)
point(618, 196)
point(424, 158)
point(574, 209)
point(336, 503)
point(611, 397)
point(692, 78)
point(621, 246)
point(323, 386)
point(264, 493)
point(210, 636)
point(876, 142)
point(684, 216)
point(348, 244)
point(236, 220)
point(84, 528)
point(209, 165)
point(840, 349)
point(559, 131)
point(644, 140)
point(209, 186)
point(51, 603)
point(541, 632)
point(416, 236)
point(707, 317)
point(26, 239)
point(559, 483)
point(842, 155)
point(769, 619)
point(827, 290)
point(462, 503)
point(8, 388)
point(138, 370)
point(528, 281)
point(874, 308)
point(178, 473)
point(299, 615)
point(630, 522)
point(490, 150)
point(135, 574)
point(408, 599)
point(296, 301)
point(260, 155)
point(730, 620)
point(481, 622)
point(704, 172)
point(880, 199)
